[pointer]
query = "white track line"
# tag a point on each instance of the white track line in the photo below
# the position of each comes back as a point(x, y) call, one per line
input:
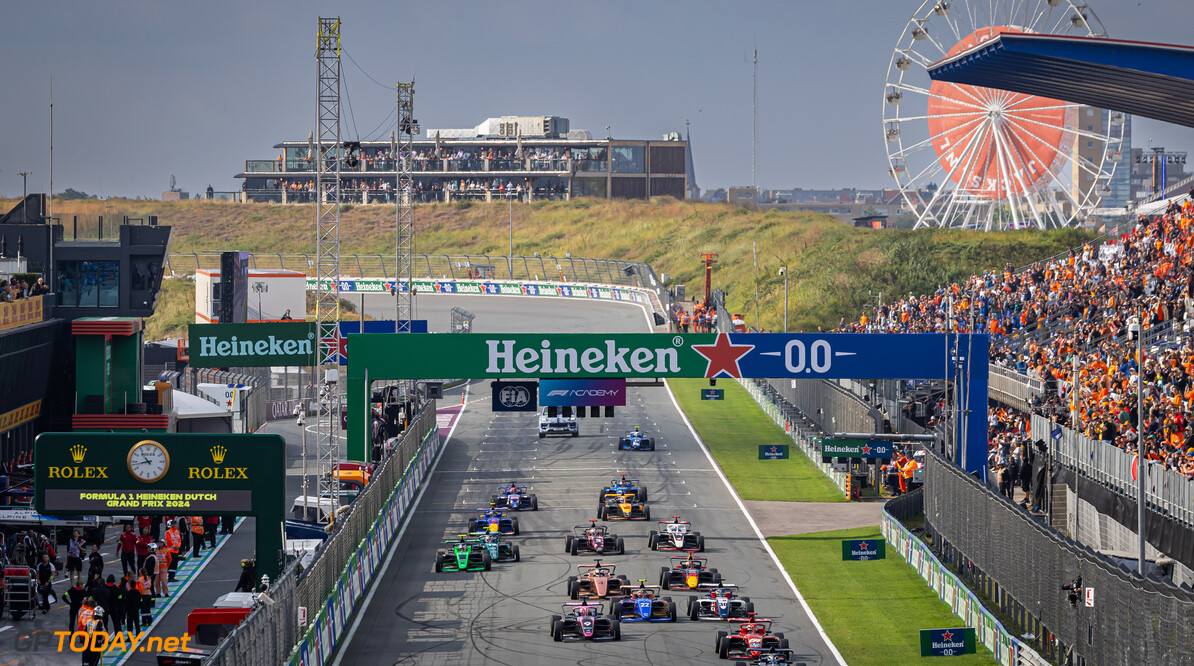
point(766, 545)
point(376, 582)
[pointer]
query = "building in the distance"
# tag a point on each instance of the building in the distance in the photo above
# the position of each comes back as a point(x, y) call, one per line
point(519, 157)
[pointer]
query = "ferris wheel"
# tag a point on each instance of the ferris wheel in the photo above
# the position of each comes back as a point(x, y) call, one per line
point(971, 157)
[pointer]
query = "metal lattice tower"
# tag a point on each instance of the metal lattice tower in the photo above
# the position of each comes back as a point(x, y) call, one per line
point(408, 127)
point(327, 241)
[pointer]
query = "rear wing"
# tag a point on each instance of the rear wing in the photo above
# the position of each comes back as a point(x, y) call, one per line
point(709, 587)
point(592, 525)
point(674, 521)
point(703, 560)
point(598, 565)
point(517, 489)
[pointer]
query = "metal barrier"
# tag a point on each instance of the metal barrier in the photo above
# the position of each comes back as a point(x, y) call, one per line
point(1168, 493)
point(1013, 389)
point(267, 636)
point(1022, 563)
point(787, 416)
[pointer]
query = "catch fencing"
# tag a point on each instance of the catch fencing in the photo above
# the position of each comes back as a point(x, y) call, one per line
point(989, 631)
point(1169, 494)
point(329, 589)
point(1022, 563)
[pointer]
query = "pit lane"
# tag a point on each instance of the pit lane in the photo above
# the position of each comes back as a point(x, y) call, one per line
point(416, 616)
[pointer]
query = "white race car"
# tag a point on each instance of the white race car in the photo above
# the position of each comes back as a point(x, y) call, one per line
point(557, 425)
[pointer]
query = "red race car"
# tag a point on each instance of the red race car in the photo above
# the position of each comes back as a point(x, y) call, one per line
point(752, 639)
point(593, 538)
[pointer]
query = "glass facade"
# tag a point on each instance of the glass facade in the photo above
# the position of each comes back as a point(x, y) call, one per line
point(89, 283)
point(629, 159)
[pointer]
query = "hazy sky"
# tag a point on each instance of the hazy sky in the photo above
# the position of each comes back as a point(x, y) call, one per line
point(143, 90)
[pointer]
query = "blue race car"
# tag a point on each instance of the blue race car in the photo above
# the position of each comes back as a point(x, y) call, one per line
point(493, 521)
point(515, 498)
point(643, 604)
point(624, 486)
point(636, 440)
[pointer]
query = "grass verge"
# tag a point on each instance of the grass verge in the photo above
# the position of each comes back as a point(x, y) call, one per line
point(872, 611)
point(733, 429)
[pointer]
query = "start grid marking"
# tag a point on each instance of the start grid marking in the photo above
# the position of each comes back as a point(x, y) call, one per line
point(182, 580)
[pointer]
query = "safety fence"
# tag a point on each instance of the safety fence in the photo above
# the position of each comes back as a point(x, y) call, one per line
point(327, 592)
point(1022, 564)
point(1169, 494)
point(1008, 650)
point(787, 417)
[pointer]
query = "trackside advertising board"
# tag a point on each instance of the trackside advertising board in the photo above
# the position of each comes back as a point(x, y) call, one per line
point(946, 642)
point(573, 355)
point(273, 343)
point(582, 392)
point(864, 549)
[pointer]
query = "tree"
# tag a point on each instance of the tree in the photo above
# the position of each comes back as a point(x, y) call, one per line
point(72, 193)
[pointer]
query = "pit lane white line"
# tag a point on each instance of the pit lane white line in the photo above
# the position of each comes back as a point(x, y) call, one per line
point(767, 546)
point(375, 583)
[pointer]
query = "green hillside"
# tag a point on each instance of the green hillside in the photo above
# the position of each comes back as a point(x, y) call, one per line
point(831, 266)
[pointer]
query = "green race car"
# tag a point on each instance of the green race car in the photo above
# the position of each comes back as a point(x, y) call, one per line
point(465, 554)
point(498, 550)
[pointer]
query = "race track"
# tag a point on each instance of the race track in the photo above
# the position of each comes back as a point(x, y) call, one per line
point(416, 616)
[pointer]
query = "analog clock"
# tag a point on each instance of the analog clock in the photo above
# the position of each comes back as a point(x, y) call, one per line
point(148, 461)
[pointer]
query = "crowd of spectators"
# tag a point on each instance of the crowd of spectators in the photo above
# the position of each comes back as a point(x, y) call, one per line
point(15, 290)
point(1079, 307)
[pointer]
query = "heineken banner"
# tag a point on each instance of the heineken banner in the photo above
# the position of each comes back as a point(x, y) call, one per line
point(252, 345)
point(946, 642)
point(380, 285)
point(855, 448)
point(572, 355)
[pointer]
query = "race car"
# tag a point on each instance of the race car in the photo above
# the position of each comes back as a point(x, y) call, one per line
point(623, 486)
point(493, 521)
point(515, 498)
point(593, 538)
point(583, 621)
point(719, 602)
point(676, 536)
point(636, 440)
point(557, 425)
point(752, 639)
point(643, 604)
point(687, 572)
point(596, 581)
point(499, 551)
point(775, 655)
point(623, 507)
point(464, 555)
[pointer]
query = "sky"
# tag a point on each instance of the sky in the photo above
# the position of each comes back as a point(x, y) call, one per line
point(143, 90)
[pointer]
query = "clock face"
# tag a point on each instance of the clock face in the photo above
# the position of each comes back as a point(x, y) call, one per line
point(148, 461)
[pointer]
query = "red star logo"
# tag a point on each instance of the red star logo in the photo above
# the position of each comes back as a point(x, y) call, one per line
point(723, 356)
point(947, 636)
point(866, 449)
point(862, 545)
point(343, 345)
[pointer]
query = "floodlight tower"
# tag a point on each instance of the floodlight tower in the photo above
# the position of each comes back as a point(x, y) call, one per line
point(408, 127)
point(328, 154)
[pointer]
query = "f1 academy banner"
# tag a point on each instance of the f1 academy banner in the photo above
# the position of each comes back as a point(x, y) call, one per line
point(575, 355)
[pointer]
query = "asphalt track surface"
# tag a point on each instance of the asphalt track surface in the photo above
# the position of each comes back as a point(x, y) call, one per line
point(417, 616)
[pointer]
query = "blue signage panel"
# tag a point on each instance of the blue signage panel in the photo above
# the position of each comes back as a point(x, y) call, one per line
point(514, 396)
point(862, 550)
point(713, 394)
point(947, 642)
point(773, 452)
point(582, 392)
point(834, 356)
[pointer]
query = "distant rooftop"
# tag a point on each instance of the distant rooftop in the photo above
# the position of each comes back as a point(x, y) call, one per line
point(509, 127)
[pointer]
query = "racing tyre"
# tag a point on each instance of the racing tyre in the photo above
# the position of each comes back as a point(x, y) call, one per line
point(723, 648)
point(747, 600)
point(716, 644)
point(647, 512)
point(603, 513)
point(671, 611)
point(439, 563)
point(779, 634)
point(750, 608)
point(617, 630)
point(615, 609)
point(783, 643)
point(557, 625)
point(573, 548)
point(568, 544)
point(664, 579)
point(691, 601)
point(716, 578)
point(694, 609)
point(514, 554)
point(700, 544)
point(642, 492)
point(486, 561)
point(621, 546)
point(514, 523)
point(534, 502)
point(652, 539)
point(576, 433)
point(541, 437)
point(574, 589)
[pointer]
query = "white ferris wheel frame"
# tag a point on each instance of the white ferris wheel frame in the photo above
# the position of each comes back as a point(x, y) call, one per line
point(933, 30)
